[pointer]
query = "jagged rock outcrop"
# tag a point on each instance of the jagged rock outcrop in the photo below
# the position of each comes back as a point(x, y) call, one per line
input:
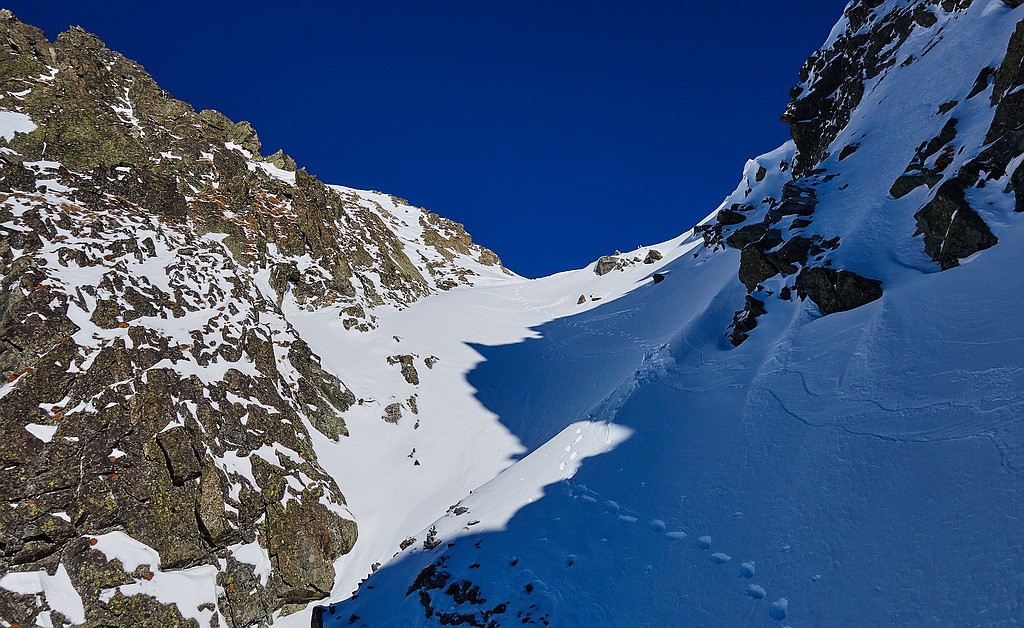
point(833, 79)
point(745, 320)
point(857, 58)
point(155, 399)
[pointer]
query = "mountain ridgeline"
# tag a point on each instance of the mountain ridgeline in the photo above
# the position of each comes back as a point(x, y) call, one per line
point(235, 395)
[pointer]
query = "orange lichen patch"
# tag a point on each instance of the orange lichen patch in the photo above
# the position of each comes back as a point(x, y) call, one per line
point(231, 587)
point(259, 538)
point(55, 409)
point(60, 340)
point(172, 304)
point(57, 416)
point(149, 575)
point(311, 485)
point(123, 325)
point(24, 371)
point(113, 477)
point(77, 210)
point(109, 257)
point(93, 541)
point(111, 459)
point(184, 347)
point(214, 198)
point(25, 195)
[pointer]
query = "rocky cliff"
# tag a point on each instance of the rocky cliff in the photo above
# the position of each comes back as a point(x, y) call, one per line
point(156, 404)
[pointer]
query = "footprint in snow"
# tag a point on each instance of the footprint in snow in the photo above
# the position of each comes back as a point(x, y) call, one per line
point(777, 611)
point(756, 591)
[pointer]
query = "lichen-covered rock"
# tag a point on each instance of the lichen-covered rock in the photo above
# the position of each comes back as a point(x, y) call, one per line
point(907, 183)
point(409, 371)
point(798, 199)
point(749, 234)
point(729, 217)
point(606, 264)
point(393, 412)
point(150, 383)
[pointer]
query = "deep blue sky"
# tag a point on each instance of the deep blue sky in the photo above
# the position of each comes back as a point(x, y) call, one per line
point(557, 131)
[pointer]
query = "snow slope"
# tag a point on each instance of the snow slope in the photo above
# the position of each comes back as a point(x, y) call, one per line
point(628, 466)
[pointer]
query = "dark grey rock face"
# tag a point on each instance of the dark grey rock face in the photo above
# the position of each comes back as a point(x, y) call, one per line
point(952, 229)
point(833, 78)
point(745, 320)
point(837, 290)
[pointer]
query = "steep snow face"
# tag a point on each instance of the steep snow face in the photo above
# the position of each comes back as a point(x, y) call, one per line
point(856, 458)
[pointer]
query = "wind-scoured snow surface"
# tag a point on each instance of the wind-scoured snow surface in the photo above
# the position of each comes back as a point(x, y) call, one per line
point(618, 463)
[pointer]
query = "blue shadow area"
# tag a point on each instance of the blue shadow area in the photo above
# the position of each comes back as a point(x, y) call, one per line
point(861, 467)
point(610, 528)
